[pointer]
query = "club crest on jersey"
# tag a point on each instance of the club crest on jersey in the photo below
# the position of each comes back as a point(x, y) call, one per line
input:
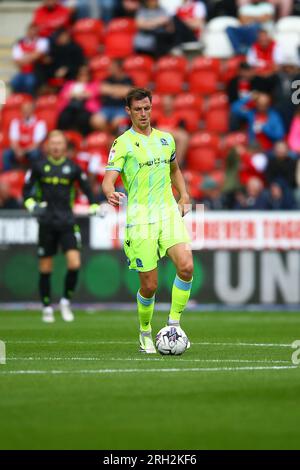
point(164, 141)
point(66, 170)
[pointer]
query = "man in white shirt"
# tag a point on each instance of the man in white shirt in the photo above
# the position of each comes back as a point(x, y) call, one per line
point(25, 135)
point(253, 16)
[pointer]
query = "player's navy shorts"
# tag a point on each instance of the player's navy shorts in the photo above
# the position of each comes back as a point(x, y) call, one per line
point(52, 238)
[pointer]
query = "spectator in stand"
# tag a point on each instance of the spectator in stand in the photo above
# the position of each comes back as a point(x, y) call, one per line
point(213, 198)
point(51, 16)
point(113, 91)
point(265, 126)
point(278, 198)
point(283, 7)
point(193, 15)
point(253, 16)
point(221, 8)
point(25, 135)
point(65, 58)
point(264, 55)
point(127, 9)
point(294, 134)
point(242, 84)
point(281, 167)
point(7, 201)
point(253, 198)
point(168, 121)
point(156, 30)
point(78, 103)
point(26, 53)
point(103, 9)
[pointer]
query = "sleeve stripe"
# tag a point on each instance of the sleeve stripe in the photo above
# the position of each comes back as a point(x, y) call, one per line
point(114, 169)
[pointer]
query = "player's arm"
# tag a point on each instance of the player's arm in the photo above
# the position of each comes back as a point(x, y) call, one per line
point(179, 184)
point(34, 207)
point(115, 164)
point(108, 187)
point(82, 179)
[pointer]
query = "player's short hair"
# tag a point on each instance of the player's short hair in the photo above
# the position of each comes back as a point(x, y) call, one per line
point(137, 94)
point(57, 133)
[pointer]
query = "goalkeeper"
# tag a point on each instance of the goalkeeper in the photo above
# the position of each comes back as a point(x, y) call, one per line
point(48, 194)
point(146, 159)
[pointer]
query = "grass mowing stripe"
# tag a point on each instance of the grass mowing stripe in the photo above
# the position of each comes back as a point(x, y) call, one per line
point(273, 345)
point(146, 359)
point(164, 370)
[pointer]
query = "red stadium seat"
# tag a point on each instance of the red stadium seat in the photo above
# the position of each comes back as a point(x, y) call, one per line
point(190, 118)
point(218, 101)
point(193, 180)
point(88, 33)
point(188, 101)
point(97, 141)
point(15, 180)
point(206, 63)
point(202, 160)
point(232, 140)
point(139, 68)
point(119, 38)
point(203, 152)
point(99, 66)
point(217, 120)
point(169, 82)
point(138, 62)
point(204, 82)
point(172, 63)
point(49, 116)
point(74, 138)
point(230, 68)
point(156, 102)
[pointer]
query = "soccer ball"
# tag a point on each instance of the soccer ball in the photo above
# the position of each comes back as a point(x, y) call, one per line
point(171, 340)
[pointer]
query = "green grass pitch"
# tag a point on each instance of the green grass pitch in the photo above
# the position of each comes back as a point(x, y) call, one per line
point(85, 386)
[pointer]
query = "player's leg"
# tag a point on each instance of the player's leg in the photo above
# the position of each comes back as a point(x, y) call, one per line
point(182, 257)
point(47, 247)
point(71, 244)
point(145, 305)
point(141, 251)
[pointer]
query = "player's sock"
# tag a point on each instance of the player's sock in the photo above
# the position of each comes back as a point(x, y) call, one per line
point(180, 296)
point(70, 283)
point(44, 287)
point(145, 311)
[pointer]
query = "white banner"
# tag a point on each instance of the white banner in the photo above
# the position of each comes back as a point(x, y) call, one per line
point(215, 230)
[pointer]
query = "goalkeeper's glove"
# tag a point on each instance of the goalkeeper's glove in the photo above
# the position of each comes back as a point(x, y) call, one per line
point(35, 208)
point(94, 209)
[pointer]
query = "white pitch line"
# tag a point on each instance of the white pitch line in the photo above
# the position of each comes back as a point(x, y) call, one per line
point(146, 359)
point(122, 371)
point(273, 345)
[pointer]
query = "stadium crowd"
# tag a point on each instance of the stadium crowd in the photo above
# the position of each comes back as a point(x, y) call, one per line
point(235, 119)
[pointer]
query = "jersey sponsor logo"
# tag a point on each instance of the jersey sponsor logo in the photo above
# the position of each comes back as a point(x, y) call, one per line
point(139, 263)
point(164, 141)
point(55, 180)
point(66, 170)
point(157, 161)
